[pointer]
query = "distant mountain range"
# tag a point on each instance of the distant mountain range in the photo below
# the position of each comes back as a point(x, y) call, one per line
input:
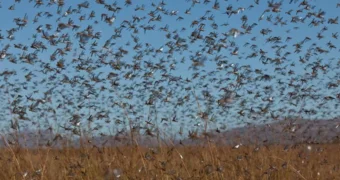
point(281, 132)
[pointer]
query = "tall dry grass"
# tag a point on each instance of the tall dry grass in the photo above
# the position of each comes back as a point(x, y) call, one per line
point(208, 161)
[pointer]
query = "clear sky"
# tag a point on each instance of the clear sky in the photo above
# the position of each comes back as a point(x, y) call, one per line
point(186, 114)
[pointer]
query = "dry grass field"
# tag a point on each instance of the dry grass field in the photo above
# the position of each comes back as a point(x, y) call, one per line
point(211, 161)
point(169, 90)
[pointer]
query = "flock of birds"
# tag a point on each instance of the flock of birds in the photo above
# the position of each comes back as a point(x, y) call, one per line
point(166, 66)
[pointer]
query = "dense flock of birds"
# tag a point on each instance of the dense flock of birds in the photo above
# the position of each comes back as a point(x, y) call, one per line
point(166, 66)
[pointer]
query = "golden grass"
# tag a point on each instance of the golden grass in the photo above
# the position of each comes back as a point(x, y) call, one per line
point(180, 162)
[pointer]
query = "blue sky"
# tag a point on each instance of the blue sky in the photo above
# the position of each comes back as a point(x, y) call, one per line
point(157, 39)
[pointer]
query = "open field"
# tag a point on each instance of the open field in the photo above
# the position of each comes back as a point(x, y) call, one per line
point(169, 89)
point(173, 162)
